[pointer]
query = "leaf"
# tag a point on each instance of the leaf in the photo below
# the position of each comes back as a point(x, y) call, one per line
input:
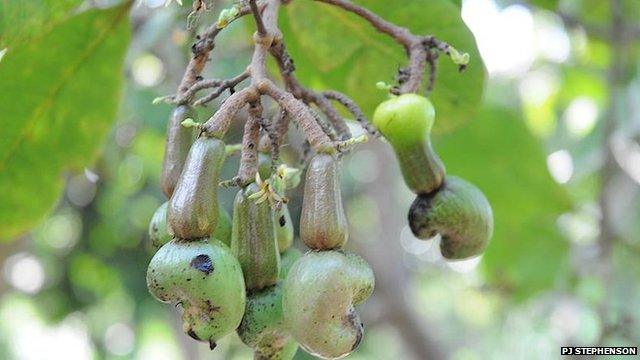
point(336, 49)
point(59, 93)
point(496, 152)
point(20, 20)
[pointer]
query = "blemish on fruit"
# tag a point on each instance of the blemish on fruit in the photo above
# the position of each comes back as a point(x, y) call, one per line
point(202, 263)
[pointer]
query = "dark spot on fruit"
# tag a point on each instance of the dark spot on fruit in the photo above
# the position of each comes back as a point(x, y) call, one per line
point(202, 263)
point(418, 216)
point(354, 322)
point(282, 221)
point(212, 307)
point(212, 344)
point(193, 335)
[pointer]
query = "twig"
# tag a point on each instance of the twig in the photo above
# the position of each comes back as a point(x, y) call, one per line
point(249, 160)
point(219, 124)
point(292, 84)
point(417, 47)
point(257, 17)
point(354, 109)
point(201, 50)
point(228, 84)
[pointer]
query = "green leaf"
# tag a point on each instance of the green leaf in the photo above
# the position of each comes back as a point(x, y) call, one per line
point(498, 154)
point(336, 49)
point(21, 20)
point(59, 94)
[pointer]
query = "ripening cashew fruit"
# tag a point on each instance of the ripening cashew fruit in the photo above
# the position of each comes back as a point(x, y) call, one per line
point(406, 122)
point(323, 224)
point(206, 279)
point(158, 232)
point(179, 140)
point(262, 327)
point(320, 293)
point(223, 229)
point(281, 216)
point(287, 259)
point(193, 207)
point(264, 165)
point(460, 213)
point(253, 240)
point(283, 226)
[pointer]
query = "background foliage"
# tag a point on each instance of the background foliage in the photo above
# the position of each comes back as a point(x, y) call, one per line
point(81, 150)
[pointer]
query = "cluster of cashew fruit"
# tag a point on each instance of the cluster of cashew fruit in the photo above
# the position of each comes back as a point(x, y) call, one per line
point(445, 205)
point(240, 273)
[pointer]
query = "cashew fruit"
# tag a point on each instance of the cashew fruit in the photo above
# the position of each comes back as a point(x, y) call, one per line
point(318, 301)
point(460, 213)
point(253, 240)
point(206, 279)
point(158, 232)
point(262, 327)
point(223, 229)
point(193, 208)
point(287, 259)
point(179, 140)
point(283, 226)
point(406, 122)
point(264, 165)
point(323, 224)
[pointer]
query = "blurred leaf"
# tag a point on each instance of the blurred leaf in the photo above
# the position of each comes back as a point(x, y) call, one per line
point(527, 253)
point(546, 4)
point(581, 83)
point(57, 105)
point(21, 20)
point(335, 49)
point(599, 12)
point(92, 277)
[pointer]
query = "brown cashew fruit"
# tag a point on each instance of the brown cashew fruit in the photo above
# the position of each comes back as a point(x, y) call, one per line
point(460, 213)
point(253, 240)
point(193, 208)
point(179, 140)
point(323, 224)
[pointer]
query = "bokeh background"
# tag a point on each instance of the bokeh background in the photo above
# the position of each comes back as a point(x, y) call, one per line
point(555, 145)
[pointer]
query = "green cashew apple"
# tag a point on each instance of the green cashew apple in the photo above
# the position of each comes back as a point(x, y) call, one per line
point(283, 226)
point(406, 122)
point(193, 208)
point(460, 213)
point(262, 327)
point(179, 139)
point(223, 229)
point(282, 218)
point(253, 240)
point(158, 232)
point(319, 296)
point(287, 259)
point(264, 165)
point(206, 279)
point(323, 224)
